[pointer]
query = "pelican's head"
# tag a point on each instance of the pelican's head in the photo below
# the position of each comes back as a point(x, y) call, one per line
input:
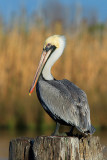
point(52, 50)
point(54, 41)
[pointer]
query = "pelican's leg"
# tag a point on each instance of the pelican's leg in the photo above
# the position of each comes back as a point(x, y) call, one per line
point(56, 131)
point(70, 133)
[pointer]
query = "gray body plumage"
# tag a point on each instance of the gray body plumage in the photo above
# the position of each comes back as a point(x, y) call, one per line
point(65, 103)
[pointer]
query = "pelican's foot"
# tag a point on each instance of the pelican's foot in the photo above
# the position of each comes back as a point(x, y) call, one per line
point(70, 133)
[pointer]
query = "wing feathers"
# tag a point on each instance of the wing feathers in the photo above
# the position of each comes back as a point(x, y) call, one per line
point(66, 101)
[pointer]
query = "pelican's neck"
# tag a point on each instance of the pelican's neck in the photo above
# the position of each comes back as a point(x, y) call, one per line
point(52, 59)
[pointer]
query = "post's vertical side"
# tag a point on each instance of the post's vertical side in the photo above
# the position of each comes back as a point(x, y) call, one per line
point(56, 148)
point(90, 148)
point(19, 149)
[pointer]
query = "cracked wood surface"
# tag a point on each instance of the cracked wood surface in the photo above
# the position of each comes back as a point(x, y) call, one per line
point(56, 148)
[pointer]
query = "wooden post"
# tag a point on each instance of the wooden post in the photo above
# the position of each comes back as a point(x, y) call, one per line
point(56, 148)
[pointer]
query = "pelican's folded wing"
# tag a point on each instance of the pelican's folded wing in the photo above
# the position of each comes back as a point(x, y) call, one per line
point(66, 101)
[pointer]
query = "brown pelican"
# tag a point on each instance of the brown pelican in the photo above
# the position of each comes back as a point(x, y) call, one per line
point(66, 103)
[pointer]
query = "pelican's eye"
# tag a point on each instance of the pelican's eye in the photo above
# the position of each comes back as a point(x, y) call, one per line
point(48, 45)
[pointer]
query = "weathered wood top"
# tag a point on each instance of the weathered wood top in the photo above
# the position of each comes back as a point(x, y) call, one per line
point(56, 148)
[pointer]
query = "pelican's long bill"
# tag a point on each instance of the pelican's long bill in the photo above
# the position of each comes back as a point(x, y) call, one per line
point(44, 57)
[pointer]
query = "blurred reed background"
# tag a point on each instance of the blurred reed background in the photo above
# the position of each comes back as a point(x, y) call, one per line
point(84, 62)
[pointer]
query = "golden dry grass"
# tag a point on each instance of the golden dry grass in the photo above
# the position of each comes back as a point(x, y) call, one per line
point(84, 62)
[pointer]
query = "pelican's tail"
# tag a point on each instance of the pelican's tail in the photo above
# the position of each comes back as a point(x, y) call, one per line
point(92, 129)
